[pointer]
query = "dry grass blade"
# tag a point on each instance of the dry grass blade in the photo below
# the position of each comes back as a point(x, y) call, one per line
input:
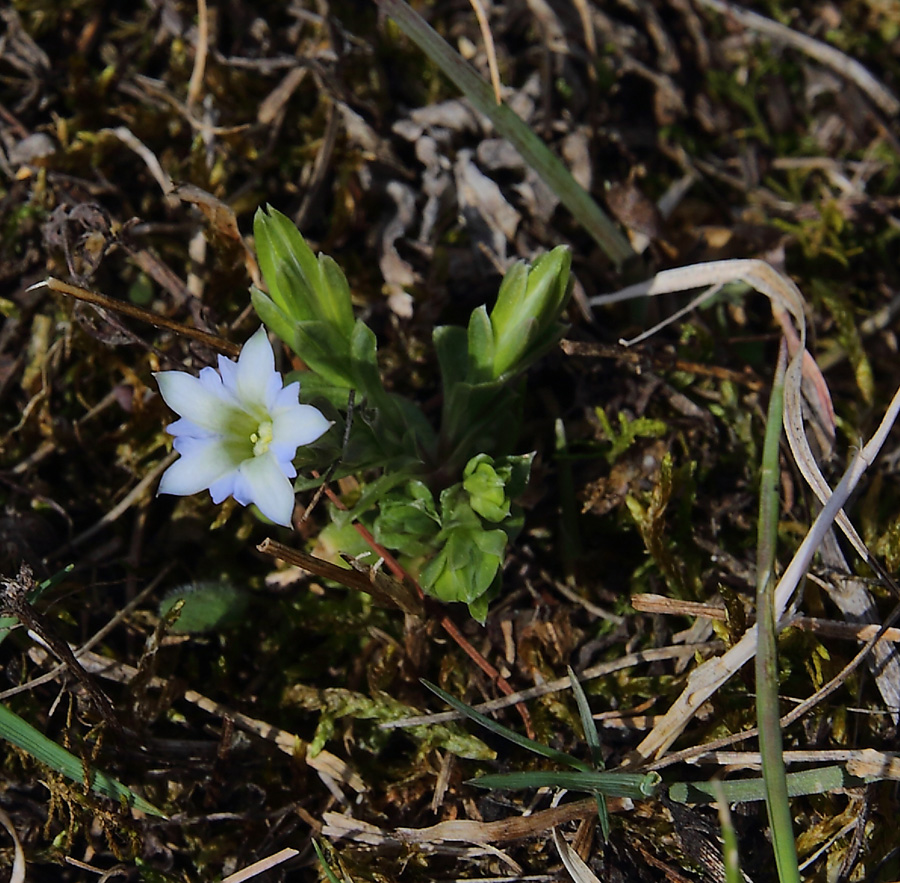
point(573, 862)
point(785, 297)
point(17, 875)
point(710, 675)
point(195, 85)
point(486, 35)
point(786, 300)
point(821, 52)
point(657, 654)
point(261, 866)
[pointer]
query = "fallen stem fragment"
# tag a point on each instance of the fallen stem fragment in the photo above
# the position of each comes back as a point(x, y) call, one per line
point(136, 312)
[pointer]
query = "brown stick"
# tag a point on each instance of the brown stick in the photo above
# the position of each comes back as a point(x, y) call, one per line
point(136, 312)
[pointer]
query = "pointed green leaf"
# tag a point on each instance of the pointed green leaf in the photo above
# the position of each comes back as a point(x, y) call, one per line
point(450, 346)
point(273, 317)
point(505, 732)
point(325, 352)
point(481, 347)
point(334, 296)
point(23, 735)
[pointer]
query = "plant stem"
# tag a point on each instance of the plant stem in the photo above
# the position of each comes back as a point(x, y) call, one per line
point(770, 745)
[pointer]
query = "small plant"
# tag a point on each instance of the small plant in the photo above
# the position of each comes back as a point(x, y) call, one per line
point(442, 498)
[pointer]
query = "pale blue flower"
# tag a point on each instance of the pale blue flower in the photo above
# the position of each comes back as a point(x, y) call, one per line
point(239, 430)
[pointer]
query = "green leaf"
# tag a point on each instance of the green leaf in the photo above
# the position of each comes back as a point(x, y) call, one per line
point(273, 317)
point(326, 868)
point(208, 606)
point(364, 359)
point(610, 784)
point(372, 493)
point(450, 346)
point(486, 488)
point(535, 153)
point(408, 520)
point(519, 466)
point(465, 567)
point(418, 433)
point(21, 734)
point(505, 732)
point(529, 303)
point(325, 351)
point(481, 347)
point(287, 264)
point(7, 624)
point(477, 418)
point(304, 287)
point(335, 300)
point(815, 781)
point(592, 737)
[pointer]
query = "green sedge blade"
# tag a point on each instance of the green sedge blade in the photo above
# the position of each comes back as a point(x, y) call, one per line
point(323, 861)
point(593, 739)
point(50, 583)
point(609, 784)
point(21, 734)
point(505, 732)
point(817, 781)
point(587, 720)
point(513, 128)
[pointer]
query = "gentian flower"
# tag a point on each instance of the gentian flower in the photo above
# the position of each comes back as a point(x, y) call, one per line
point(239, 430)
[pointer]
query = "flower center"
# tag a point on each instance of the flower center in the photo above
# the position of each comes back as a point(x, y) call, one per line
point(262, 438)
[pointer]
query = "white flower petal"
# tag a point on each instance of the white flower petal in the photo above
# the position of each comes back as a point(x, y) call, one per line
point(287, 397)
point(298, 425)
point(211, 381)
point(255, 371)
point(228, 370)
point(224, 487)
point(189, 428)
point(261, 481)
point(196, 401)
point(203, 461)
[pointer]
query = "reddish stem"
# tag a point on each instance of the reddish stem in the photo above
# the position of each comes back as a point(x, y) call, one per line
point(446, 623)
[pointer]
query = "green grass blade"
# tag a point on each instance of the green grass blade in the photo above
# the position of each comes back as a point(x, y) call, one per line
point(610, 784)
point(323, 861)
point(767, 711)
point(51, 582)
point(592, 737)
point(505, 732)
point(510, 126)
point(816, 781)
point(46, 751)
point(730, 856)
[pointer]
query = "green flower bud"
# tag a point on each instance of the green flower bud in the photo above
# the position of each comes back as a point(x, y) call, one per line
point(303, 287)
point(529, 303)
point(486, 488)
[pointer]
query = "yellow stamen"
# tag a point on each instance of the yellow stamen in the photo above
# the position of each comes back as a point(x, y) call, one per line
point(262, 438)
